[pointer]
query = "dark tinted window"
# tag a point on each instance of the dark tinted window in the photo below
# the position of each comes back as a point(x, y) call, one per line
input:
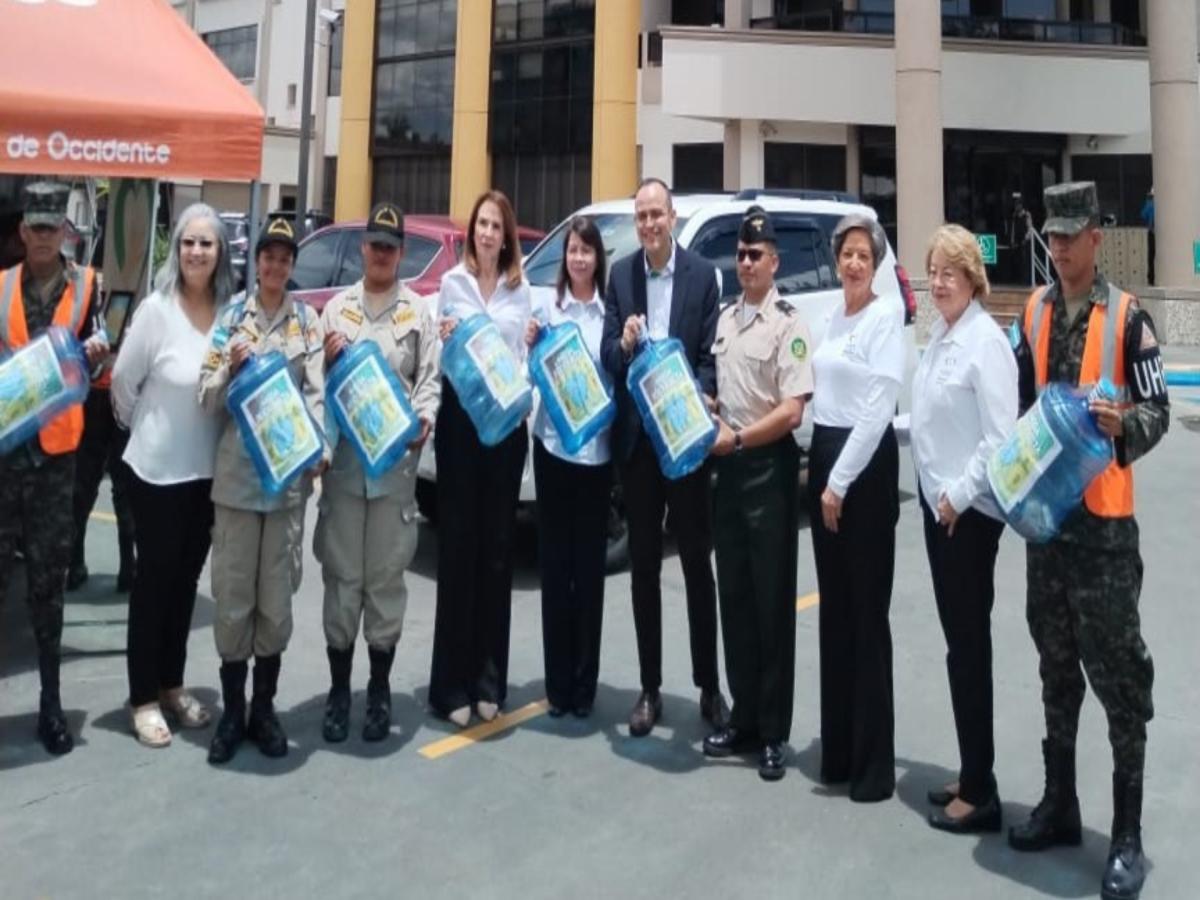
point(315, 262)
point(717, 242)
point(699, 167)
point(418, 253)
point(805, 262)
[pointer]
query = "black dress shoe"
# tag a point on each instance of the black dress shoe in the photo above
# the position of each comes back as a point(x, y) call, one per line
point(771, 761)
point(940, 796)
point(555, 711)
point(646, 713)
point(713, 709)
point(729, 741)
point(52, 731)
point(582, 710)
point(983, 818)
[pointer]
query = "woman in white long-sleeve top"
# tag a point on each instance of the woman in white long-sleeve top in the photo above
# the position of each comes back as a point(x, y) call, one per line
point(964, 406)
point(854, 504)
point(172, 448)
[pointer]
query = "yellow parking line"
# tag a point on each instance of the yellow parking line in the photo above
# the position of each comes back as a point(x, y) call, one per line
point(808, 601)
point(484, 730)
point(103, 516)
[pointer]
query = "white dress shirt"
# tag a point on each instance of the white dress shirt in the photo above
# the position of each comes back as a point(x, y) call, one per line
point(154, 393)
point(509, 308)
point(964, 406)
point(589, 317)
point(659, 287)
point(858, 369)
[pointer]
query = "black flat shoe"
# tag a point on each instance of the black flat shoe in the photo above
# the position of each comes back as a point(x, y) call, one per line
point(983, 818)
point(582, 711)
point(771, 762)
point(556, 712)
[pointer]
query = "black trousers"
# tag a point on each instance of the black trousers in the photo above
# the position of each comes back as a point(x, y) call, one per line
point(963, 568)
point(757, 506)
point(648, 493)
point(174, 533)
point(573, 502)
point(100, 451)
point(478, 488)
point(855, 566)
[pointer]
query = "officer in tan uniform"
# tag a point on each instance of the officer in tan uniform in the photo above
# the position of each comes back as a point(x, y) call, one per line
point(257, 538)
point(763, 379)
point(366, 528)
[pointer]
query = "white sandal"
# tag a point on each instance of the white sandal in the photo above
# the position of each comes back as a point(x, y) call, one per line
point(149, 726)
point(187, 710)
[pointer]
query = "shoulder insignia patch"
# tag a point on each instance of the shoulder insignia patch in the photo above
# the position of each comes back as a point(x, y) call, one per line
point(1148, 340)
point(799, 349)
point(352, 314)
point(786, 308)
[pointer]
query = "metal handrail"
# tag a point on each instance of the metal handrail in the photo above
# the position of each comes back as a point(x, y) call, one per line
point(1040, 264)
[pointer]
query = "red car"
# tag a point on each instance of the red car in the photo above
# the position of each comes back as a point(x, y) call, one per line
point(331, 258)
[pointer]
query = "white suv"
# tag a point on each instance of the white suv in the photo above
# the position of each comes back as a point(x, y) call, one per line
point(707, 224)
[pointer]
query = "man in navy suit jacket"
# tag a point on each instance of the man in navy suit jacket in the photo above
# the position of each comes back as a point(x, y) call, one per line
point(666, 291)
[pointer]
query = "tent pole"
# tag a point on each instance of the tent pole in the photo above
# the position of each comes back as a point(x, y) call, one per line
point(252, 236)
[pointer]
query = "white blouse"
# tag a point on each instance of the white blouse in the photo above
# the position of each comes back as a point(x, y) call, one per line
point(509, 308)
point(590, 319)
point(858, 369)
point(964, 406)
point(154, 388)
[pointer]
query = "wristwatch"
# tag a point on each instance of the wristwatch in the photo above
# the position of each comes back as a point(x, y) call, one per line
point(737, 440)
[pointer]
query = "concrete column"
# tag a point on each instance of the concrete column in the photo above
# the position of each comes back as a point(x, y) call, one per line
point(614, 100)
point(354, 136)
point(853, 161)
point(744, 166)
point(737, 13)
point(919, 192)
point(1175, 139)
point(470, 159)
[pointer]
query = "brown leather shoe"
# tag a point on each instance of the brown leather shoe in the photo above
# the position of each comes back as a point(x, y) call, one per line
point(646, 712)
point(713, 709)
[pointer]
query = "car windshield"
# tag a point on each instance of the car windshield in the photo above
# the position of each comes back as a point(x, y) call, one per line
point(617, 231)
point(235, 228)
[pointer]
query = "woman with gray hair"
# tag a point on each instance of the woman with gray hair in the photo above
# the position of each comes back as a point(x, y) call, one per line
point(172, 448)
point(853, 477)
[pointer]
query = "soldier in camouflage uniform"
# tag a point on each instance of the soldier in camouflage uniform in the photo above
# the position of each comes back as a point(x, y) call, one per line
point(1083, 586)
point(37, 478)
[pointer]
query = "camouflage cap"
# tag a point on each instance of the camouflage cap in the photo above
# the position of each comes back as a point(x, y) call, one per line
point(757, 227)
point(385, 225)
point(1071, 207)
point(46, 203)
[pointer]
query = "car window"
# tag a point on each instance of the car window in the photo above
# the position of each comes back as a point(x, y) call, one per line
point(617, 230)
point(315, 263)
point(717, 242)
point(528, 245)
point(351, 268)
point(805, 264)
point(418, 254)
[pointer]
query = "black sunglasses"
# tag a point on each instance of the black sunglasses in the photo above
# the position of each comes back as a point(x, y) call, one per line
point(754, 254)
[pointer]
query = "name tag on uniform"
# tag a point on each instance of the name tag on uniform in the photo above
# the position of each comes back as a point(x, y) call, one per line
point(352, 315)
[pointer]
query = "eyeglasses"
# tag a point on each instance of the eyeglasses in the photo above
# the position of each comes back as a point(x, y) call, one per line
point(203, 243)
point(754, 254)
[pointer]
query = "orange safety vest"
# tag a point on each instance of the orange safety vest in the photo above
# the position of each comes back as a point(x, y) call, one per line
point(62, 433)
point(1110, 496)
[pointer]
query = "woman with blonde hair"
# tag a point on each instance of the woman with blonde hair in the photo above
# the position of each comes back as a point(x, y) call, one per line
point(964, 405)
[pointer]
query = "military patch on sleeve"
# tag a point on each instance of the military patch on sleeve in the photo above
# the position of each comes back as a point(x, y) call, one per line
point(1147, 380)
point(799, 349)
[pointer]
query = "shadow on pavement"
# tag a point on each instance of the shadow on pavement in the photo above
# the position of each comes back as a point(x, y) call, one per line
point(673, 747)
point(19, 745)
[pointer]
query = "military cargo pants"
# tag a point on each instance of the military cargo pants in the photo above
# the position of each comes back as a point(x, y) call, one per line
point(36, 515)
point(256, 568)
point(1082, 609)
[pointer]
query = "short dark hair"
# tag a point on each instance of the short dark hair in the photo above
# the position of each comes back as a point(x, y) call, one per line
point(586, 229)
point(653, 179)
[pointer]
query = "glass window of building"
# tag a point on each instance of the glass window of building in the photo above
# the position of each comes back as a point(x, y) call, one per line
point(698, 167)
point(237, 48)
point(414, 102)
point(334, 86)
point(812, 166)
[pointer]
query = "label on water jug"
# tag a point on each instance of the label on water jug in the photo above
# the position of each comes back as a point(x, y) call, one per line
point(675, 404)
point(1016, 467)
point(366, 401)
point(279, 425)
point(497, 365)
point(28, 380)
point(574, 380)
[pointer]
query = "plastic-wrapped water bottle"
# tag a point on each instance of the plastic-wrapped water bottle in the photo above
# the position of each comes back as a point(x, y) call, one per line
point(576, 394)
point(669, 400)
point(487, 377)
point(38, 382)
point(275, 425)
point(1039, 475)
point(371, 407)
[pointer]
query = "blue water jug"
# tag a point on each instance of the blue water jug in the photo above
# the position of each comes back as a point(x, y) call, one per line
point(487, 378)
point(371, 407)
point(672, 408)
point(38, 382)
point(276, 428)
point(1038, 476)
point(576, 394)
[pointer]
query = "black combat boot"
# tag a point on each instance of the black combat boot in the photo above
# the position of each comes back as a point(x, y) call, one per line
point(52, 722)
point(264, 727)
point(231, 729)
point(336, 727)
point(1126, 870)
point(1055, 820)
point(379, 695)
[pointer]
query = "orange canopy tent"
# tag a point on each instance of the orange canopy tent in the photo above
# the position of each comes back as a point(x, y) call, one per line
point(119, 88)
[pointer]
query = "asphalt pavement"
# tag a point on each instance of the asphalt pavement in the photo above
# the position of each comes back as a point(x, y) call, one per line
point(544, 807)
